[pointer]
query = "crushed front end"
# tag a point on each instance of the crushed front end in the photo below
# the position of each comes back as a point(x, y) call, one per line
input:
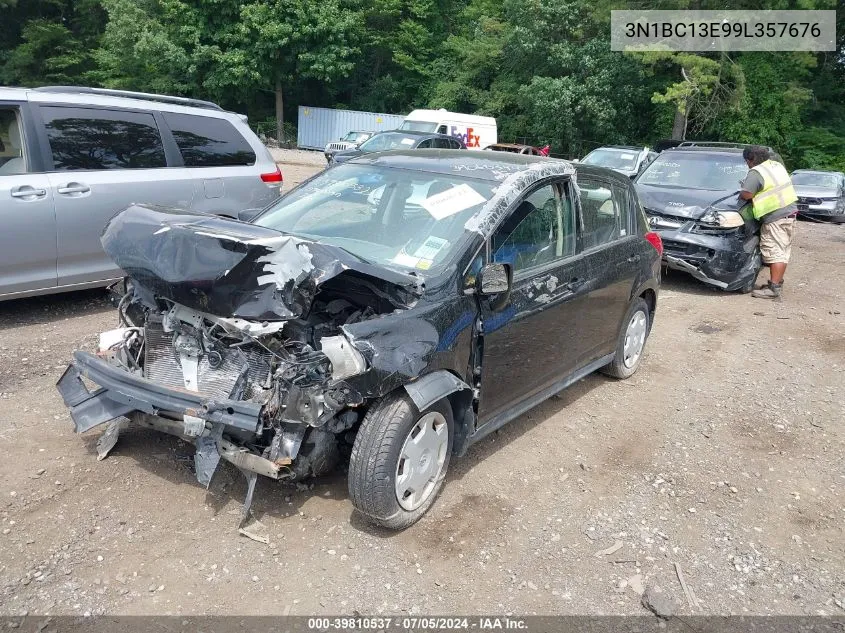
point(827, 208)
point(727, 257)
point(231, 337)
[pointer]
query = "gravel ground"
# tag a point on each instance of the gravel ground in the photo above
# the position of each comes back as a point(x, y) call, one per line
point(723, 456)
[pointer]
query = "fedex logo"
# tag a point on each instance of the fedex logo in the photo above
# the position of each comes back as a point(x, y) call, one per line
point(469, 139)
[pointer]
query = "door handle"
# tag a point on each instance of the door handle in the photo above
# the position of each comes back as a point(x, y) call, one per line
point(28, 192)
point(74, 187)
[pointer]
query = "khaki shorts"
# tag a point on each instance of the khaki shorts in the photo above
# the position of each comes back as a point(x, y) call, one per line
point(776, 241)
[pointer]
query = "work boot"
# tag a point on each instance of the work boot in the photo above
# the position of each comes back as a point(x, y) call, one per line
point(771, 291)
point(765, 284)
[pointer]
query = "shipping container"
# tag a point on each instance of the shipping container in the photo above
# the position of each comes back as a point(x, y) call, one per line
point(318, 126)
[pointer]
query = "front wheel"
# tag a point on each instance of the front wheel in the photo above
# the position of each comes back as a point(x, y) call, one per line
point(399, 460)
point(632, 338)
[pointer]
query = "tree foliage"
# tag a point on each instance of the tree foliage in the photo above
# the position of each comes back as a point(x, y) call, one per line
point(542, 67)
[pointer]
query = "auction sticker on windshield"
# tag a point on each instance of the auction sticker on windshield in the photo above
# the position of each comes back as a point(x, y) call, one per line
point(430, 248)
point(452, 201)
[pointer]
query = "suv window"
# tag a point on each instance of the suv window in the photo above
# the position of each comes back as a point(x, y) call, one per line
point(426, 144)
point(12, 153)
point(453, 144)
point(208, 141)
point(442, 143)
point(93, 138)
point(601, 205)
point(539, 231)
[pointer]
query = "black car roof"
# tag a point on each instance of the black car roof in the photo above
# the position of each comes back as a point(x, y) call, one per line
point(413, 133)
point(479, 164)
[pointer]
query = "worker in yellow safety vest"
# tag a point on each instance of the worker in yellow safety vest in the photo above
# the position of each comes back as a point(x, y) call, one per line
point(773, 199)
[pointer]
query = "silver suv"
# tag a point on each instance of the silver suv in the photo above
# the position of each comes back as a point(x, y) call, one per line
point(71, 158)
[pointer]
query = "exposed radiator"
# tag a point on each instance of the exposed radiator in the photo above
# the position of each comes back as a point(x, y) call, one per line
point(161, 365)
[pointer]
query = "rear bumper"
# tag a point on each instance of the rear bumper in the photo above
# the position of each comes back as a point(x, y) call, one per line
point(121, 393)
point(728, 261)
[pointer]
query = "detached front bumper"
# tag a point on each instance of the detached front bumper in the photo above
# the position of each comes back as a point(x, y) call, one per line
point(123, 398)
point(121, 393)
point(727, 259)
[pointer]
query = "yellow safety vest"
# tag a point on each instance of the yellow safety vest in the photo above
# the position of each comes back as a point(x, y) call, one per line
point(777, 191)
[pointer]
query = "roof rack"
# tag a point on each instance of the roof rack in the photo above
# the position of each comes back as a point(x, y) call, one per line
point(145, 96)
point(712, 144)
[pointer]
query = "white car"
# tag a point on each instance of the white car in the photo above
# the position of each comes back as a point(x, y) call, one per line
point(351, 140)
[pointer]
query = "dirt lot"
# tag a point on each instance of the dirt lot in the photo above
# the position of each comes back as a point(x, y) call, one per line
point(724, 454)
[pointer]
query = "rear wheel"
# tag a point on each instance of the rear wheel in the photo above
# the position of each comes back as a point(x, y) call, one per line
point(632, 338)
point(399, 460)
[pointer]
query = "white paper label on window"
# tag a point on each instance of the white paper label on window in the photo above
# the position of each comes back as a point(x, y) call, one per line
point(403, 259)
point(628, 156)
point(452, 201)
point(430, 248)
point(407, 141)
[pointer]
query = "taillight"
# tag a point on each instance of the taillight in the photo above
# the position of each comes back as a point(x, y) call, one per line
point(654, 239)
point(273, 176)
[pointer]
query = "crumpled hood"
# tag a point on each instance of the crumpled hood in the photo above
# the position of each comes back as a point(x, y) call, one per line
point(813, 191)
point(230, 268)
point(685, 203)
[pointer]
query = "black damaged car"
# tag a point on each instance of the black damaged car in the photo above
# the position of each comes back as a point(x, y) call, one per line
point(389, 312)
point(689, 194)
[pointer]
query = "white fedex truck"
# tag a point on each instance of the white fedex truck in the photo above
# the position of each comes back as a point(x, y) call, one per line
point(476, 131)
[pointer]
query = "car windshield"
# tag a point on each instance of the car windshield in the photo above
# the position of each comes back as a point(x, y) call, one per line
point(418, 126)
point(696, 170)
point(352, 137)
point(613, 158)
point(816, 179)
point(397, 218)
point(389, 140)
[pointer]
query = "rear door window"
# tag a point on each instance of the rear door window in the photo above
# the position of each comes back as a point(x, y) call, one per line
point(208, 141)
point(602, 204)
point(94, 138)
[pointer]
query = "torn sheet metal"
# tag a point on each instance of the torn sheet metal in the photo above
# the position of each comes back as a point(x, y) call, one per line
point(232, 269)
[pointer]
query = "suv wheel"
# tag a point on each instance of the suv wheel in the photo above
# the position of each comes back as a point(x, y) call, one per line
point(399, 460)
point(632, 338)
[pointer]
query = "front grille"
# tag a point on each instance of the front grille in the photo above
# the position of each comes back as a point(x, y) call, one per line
point(813, 201)
point(664, 221)
point(161, 365)
point(683, 250)
point(339, 146)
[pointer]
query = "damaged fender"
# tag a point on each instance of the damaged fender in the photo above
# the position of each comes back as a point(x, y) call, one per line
point(433, 387)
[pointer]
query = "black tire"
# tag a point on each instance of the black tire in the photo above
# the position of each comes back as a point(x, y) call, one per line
point(617, 367)
point(375, 459)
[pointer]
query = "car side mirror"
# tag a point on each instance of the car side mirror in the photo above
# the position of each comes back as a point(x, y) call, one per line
point(495, 281)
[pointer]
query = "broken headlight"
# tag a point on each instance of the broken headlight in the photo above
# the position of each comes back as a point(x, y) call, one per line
point(722, 219)
point(345, 359)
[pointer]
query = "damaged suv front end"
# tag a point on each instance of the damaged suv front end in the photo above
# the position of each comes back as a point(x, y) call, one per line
point(690, 198)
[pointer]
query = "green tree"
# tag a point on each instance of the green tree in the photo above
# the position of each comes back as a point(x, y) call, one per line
point(48, 41)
